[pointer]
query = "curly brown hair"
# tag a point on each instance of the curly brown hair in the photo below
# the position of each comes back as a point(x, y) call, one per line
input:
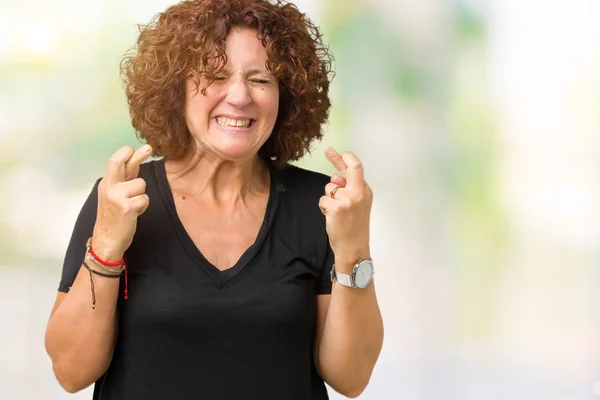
point(188, 39)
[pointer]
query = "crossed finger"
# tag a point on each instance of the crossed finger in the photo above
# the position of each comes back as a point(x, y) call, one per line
point(133, 164)
point(336, 159)
point(338, 180)
point(124, 163)
point(349, 167)
point(115, 172)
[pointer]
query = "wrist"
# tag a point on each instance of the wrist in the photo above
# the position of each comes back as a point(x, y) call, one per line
point(346, 264)
point(105, 251)
point(360, 276)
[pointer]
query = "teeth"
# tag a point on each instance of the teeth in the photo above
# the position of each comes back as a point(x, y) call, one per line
point(244, 123)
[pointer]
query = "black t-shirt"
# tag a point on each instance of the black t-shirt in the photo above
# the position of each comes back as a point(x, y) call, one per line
point(191, 331)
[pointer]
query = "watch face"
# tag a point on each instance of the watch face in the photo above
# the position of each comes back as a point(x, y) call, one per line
point(364, 274)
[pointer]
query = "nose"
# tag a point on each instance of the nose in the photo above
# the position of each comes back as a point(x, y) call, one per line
point(238, 93)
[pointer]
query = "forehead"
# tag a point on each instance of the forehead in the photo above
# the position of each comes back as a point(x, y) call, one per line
point(245, 50)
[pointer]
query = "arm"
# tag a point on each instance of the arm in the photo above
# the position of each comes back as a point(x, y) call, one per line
point(349, 334)
point(80, 339)
point(349, 337)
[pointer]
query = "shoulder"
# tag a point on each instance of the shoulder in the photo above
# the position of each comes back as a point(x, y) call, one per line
point(149, 170)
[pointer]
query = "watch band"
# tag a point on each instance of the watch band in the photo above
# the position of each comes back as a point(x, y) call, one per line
point(343, 279)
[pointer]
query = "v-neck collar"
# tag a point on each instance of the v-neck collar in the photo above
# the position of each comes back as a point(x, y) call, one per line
point(219, 277)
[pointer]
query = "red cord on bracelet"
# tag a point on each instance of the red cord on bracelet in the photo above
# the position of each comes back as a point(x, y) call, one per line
point(106, 263)
point(126, 284)
point(122, 261)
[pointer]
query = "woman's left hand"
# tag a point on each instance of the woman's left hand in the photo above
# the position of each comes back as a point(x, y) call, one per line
point(347, 209)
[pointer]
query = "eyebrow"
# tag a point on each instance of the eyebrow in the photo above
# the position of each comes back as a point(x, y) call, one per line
point(253, 71)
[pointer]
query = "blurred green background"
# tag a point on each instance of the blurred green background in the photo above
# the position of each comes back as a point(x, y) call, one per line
point(478, 124)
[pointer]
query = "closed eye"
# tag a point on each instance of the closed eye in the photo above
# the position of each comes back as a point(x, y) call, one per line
point(261, 81)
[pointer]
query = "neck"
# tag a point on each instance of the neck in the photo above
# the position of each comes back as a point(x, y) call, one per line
point(201, 175)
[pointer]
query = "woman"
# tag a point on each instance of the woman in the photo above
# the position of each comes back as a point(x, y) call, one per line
point(209, 273)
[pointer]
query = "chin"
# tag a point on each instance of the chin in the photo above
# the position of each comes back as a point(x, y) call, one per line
point(236, 151)
point(236, 147)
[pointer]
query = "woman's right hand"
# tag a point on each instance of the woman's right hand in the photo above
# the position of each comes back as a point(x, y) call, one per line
point(121, 199)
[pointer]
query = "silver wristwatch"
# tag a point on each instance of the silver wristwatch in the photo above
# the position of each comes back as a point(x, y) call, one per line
point(361, 275)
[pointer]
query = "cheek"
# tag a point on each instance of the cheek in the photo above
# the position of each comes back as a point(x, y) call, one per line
point(274, 110)
point(269, 103)
point(197, 108)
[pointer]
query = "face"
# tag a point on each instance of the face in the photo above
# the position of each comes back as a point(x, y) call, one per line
point(237, 114)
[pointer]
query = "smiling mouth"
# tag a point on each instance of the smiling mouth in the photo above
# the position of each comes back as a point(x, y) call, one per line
point(234, 123)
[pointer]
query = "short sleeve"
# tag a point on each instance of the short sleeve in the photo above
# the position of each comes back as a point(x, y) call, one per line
point(84, 227)
point(325, 278)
